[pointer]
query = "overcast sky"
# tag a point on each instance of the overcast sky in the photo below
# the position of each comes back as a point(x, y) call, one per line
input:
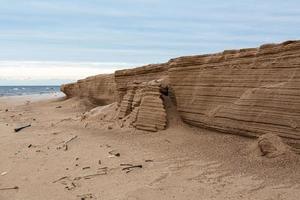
point(55, 41)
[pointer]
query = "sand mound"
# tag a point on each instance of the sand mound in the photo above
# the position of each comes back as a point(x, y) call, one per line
point(102, 116)
point(272, 145)
point(78, 104)
point(102, 113)
point(108, 116)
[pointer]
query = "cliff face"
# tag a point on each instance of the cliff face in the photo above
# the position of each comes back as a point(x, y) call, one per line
point(139, 96)
point(100, 89)
point(124, 78)
point(70, 89)
point(248, 92)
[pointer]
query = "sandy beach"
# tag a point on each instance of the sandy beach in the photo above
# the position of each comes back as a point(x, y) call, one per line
point(63, 156)
point(149, 100)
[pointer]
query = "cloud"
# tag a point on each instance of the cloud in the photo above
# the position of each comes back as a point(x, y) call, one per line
point(38, 70)
point(132, 31)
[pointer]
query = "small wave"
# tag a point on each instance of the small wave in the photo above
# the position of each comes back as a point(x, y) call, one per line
point(27, 90)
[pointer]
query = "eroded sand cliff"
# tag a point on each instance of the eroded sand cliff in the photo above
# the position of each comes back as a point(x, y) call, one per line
point(247, 92)
point(100, 89)
point(97, 143)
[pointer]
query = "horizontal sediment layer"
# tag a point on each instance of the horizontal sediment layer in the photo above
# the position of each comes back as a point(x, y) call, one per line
point(246, 92)
point(100, 89)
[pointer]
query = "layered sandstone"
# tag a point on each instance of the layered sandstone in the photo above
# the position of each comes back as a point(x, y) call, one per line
point(247, 92)
point(127, 102)
point(143, 106)
point(125, 78)
point(151, 114)
point(99, 89)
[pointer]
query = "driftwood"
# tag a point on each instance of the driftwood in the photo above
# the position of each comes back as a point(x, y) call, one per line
point(20, 128)
point(64, 177)
point(10, 188)
point(132, 166)
point(73, 138)
point(86, 168)
point(148, 160)
point(124, 164)
point(90, 176)
point(65, 145)
point(114, 153)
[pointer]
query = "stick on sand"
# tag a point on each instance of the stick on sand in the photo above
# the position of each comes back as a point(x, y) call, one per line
point(20, 128)
point(10, 188)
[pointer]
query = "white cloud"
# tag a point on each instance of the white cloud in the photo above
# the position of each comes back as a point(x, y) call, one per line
point(41, 70)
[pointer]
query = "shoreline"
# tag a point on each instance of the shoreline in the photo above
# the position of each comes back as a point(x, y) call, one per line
point(31, 97)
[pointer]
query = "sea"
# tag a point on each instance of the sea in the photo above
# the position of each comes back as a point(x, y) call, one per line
point(28, 90)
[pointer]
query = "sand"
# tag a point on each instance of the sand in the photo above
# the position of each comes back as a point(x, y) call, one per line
point(61, 157)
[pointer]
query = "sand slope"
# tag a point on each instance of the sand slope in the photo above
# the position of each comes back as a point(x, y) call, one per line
point(183, 162)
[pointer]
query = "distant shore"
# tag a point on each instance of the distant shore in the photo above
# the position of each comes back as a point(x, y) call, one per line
point(21, 90)
point(31, 97)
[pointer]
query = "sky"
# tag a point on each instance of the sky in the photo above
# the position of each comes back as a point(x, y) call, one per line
point(49, 42)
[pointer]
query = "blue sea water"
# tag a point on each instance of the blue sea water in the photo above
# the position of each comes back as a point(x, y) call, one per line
point(27, 90)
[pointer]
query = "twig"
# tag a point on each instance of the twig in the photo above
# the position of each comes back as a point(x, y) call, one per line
point(114, 153)
point(93, 175)
point(90, 176)
point(103, 168)
point(10, 188)
point(20, 128)
point(124, 164)
point(86, 168)
point(131, 167)
point(128, 171)
point(65, 145)
point(73, 138)
point(60, 179)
